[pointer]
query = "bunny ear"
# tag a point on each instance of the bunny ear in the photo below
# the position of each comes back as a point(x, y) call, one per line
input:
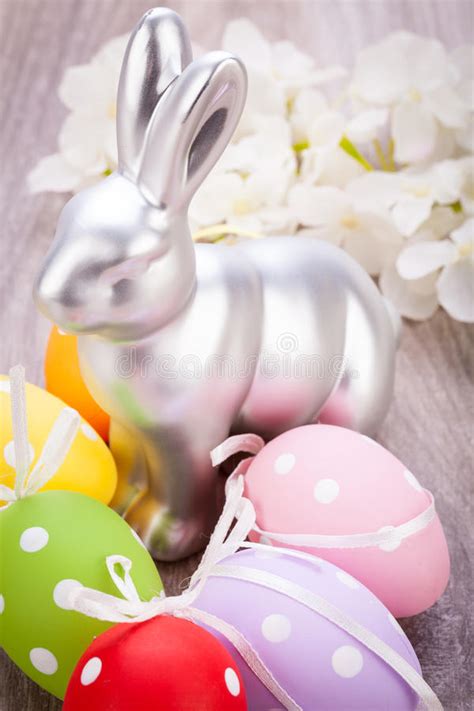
point(191, 127)
point(157, 52)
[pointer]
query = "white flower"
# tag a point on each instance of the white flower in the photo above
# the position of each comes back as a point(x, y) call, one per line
point(365, 126)
point(290, 67)
point(430, 271)
point(87, 140)
point(415, 78)
point(317, 134)
point(248, 186)
point(247, 203)
point(366, 233)
point(276, 71)
point(455, 258)
point(411, 194)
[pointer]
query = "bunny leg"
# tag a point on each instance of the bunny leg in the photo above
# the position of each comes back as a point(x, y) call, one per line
point(177, 513)
point(132, 467)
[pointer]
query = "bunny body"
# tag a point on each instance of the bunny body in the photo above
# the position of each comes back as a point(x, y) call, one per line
point(183, 344)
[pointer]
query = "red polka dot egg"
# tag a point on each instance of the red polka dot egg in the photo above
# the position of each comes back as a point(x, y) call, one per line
point(164, 664)
point(328, 481)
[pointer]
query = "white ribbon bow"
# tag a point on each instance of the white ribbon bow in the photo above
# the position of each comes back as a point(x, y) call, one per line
point(389, 536)
point(55, 449)
point(224, 542)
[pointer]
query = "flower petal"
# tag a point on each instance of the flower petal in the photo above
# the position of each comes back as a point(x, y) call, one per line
point(288, 61)
point(326, 130)
point(464, 235)
point(422, 258)
point(414, 132)
point(371, 253)
point(243, 38)
point(380, 75)
point(53, 173)
point(456, 290)
point(365, 126)
point(409, 213)
point(447, 106)
point(409, 301)
point(317, 206)
point(213, 202)
point(382, 188)
point(308, 104)
point(336, 167)
point(89, 88)
point(81, 141)
point(386, 71)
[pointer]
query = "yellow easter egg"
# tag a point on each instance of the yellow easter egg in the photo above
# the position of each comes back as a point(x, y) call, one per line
point(88, 468)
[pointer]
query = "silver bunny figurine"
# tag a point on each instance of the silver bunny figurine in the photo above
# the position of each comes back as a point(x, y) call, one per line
point(182, 343)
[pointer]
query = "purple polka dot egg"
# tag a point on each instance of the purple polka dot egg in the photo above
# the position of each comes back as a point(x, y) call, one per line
point(316, 662)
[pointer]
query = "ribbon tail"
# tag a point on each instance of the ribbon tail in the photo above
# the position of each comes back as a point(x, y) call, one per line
point(20, 426)
point(55, 450)
point(246, 651)
point(7, 494)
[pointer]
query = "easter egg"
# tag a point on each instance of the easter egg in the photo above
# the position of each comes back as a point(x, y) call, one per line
point(165, 664)
point(64, 379)
point(317, 663)
point(88, 468)
point(52, 542)
point(327, 480)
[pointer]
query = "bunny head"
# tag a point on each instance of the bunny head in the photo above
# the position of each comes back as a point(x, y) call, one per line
point(122, 263)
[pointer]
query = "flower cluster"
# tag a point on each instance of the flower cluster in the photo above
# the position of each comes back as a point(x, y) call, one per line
point(378, 161)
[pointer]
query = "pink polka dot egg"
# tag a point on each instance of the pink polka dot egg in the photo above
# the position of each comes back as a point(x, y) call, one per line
point(328, 487)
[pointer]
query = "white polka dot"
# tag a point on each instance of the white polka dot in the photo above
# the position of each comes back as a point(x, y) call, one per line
point(284, 463)
point(326, 491)
point(388, 547)
point(9, 453)
point(347, 661)
point(62, 592)
point(412, 480)
point(276, 628)
point(2, 604)
point(395, 624)
point(44, 661)
point(137, 538)
point(89, 432)
point(62, 333)
point(4, 386)
point(34, 539)
point(347, 580)
point(232, 681)
point(91, 671)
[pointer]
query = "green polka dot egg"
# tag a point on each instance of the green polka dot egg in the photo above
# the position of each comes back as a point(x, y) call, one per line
point(52, 542)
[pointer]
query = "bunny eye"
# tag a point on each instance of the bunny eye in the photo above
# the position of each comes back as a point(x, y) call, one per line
point(131, 269)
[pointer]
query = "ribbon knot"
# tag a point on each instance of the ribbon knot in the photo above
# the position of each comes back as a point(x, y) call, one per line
point(224, 542)
point(28, 481)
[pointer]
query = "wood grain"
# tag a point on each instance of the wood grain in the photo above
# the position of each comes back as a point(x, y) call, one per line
point(431, 420)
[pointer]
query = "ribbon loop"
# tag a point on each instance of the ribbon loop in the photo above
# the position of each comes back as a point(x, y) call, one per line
point(247, 443)
point(54, 451)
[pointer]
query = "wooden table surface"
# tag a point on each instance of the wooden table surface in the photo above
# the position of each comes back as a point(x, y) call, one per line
point(430, 423)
